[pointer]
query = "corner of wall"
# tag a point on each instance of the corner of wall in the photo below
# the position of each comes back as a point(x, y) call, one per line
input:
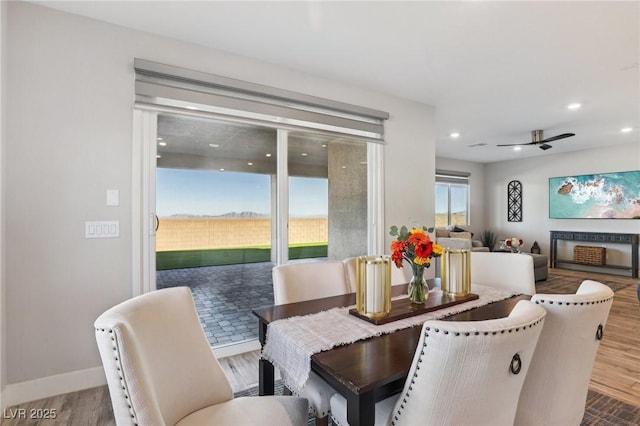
point(3, 62)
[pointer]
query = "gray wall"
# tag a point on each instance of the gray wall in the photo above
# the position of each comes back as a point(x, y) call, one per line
point(69, 139)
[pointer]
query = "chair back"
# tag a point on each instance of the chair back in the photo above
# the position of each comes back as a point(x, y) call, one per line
point(157, 360)
point(398, 275)
point(297, 282)
point(470, 372)
point(508, 271)
point(555, 390)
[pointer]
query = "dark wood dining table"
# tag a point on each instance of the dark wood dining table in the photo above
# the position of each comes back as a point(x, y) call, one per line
point(368, 370)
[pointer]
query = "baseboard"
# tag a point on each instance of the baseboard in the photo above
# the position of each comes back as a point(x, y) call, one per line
point(45, 387)
point(19, 393)
point(236, 349)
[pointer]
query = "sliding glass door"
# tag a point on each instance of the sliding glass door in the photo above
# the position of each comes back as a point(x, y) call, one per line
point(328, 196)
point(214, 195)
point(229, 197)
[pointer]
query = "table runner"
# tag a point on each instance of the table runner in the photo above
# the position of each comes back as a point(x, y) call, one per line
point(292, 341)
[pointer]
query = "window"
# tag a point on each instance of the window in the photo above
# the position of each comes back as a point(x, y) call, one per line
point(452, 198)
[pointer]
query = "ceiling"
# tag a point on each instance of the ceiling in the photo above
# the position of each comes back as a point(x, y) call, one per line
point(194, 142)
point(494, 71)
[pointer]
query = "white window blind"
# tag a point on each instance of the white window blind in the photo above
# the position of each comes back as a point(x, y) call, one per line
point(165, 87)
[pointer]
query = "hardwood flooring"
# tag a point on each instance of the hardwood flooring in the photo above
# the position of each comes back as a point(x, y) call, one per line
point(616, 372)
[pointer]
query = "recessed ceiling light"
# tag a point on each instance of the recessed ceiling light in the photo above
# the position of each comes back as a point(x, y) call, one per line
point(162, 143)
point(222, 170)
point(575, 105)
point(517, 148)
point(159, 139)
point(267, 155)
point(626, 130)
point(249, 164)
point(158, 156)
point(304, 154)
point(214, 145)
point(324, 145)
point(455, 135)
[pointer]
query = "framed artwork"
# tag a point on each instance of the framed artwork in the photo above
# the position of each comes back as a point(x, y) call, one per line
point(597, 196)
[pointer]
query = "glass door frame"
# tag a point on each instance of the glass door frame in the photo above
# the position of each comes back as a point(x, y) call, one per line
point(143, 227)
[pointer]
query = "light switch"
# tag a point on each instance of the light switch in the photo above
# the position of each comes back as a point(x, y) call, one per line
point(113, 197)
point(102, 229)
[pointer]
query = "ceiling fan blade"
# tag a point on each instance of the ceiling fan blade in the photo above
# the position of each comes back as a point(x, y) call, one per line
point(518, 144)
point(545, 147)
point(555, 138)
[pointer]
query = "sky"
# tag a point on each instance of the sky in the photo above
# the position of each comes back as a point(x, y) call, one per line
point(458, 201)
point(213, 193)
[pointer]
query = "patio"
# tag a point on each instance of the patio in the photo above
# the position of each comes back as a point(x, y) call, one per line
point(224, 297)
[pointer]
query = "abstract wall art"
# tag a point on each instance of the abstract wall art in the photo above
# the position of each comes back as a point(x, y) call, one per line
point(597, 196)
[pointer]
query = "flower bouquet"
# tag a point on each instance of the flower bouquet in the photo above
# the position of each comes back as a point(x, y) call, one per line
point(514, 244)
point(415, 247)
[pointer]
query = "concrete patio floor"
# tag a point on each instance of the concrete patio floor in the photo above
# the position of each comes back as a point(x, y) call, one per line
point(224, 297)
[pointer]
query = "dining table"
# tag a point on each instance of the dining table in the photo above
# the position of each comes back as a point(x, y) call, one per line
point(368, 370)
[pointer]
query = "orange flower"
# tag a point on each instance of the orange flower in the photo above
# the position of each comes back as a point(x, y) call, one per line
point(397, 251)
point(414, 246)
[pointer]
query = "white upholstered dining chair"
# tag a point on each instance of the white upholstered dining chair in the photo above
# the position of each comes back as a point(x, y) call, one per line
point(507, 271)
point(555, 390)
point(463, 372)
point(161, 371)
point(398, 275)
point(297, 282)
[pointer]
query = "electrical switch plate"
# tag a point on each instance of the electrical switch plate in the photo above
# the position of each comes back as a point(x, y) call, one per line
point(113, 197)
point(102, 229)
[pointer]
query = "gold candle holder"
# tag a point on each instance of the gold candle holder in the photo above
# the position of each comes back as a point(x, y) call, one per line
point(373, 286)
point(456, 272)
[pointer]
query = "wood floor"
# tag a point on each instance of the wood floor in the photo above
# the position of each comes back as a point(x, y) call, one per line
point(616, 371)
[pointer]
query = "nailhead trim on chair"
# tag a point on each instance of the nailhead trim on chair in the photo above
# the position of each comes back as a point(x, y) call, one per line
point(406, 396)
point(119, 368)
point(311, 407)
point(593, 302)
point(600, 330)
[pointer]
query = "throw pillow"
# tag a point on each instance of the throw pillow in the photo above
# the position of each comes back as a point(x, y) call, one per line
point(458, 229)
point(442, 233)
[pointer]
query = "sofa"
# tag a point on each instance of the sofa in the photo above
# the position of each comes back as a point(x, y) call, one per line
point(540, 266)
point(458, 238)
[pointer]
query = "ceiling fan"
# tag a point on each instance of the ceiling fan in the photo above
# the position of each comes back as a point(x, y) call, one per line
point(537, 138)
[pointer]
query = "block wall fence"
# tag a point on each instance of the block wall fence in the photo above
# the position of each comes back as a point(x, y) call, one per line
point(207, 233)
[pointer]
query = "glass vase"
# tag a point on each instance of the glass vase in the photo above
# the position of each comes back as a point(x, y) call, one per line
point(418, 291)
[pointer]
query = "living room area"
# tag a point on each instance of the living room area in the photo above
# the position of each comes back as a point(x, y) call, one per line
point(488, 199)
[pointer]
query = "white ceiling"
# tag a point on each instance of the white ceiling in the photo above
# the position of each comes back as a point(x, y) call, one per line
point(495, 71)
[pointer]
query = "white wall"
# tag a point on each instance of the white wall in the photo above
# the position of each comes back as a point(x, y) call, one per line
point(70, 103)
point(534, 174)
point(477, 203)
point(3, 64)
